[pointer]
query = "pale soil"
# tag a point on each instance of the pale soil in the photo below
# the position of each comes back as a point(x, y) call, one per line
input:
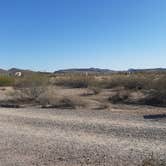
point(114, 136)
point(52, 137)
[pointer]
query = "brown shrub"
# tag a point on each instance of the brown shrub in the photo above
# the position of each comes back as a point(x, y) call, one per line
point(91, 91)
point(27, 95)
point(154, 98)
point(119, 97)
point(75, 81)
point(62, 103)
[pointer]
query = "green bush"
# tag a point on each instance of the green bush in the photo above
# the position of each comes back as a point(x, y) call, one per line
point(6, 81)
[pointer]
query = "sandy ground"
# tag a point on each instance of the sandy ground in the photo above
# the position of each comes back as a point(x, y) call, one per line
point(52, 137)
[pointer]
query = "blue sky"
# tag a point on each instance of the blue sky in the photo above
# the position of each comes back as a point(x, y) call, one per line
point(55, 34)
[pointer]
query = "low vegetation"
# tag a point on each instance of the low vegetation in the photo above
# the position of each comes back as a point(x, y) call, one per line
point(151, 86)
point(6, 81)
point(42, 91)
point(75, 81)
point(33, 80)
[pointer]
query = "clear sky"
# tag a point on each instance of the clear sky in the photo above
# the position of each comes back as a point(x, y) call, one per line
point(55, 34)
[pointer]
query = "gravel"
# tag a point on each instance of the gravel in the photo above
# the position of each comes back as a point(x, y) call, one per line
point(50, 137)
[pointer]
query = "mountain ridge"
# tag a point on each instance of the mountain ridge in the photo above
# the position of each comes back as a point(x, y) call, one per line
point(81, 70)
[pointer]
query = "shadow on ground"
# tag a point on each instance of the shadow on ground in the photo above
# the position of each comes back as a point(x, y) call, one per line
point(156, 116)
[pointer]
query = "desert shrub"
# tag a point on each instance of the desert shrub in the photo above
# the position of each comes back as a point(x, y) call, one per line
point(33, 92)
point(75, 81)
point(128, 82)
point(29, 88)
point(152, 85)
point(61, 103)
point(6, 81)
point(148, 97)
point(33, 80)
point(158, 83)
point(51, 99)
point(154, 98)
point(27, 95)
point(95, 90)
point(156, 92)
point(65, 103)
point(91, 91)
point(119, 97)
point(134, 81)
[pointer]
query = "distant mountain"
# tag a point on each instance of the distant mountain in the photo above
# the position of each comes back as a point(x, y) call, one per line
point(12, 71)
point(17, 70)
point(2, 71)
point(148, 70)
point(83, 70)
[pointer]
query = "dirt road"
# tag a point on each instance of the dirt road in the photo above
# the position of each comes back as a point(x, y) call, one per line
point(43, 137)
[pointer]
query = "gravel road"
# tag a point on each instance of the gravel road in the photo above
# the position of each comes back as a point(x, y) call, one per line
point(45, 137)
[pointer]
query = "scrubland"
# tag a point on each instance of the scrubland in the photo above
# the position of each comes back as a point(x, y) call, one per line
point(79, 119)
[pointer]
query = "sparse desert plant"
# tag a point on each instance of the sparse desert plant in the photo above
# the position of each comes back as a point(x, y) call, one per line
point(51, 99)
point(33, 80)
point(152, 85)
point(75, 81)
point(6, 81)
point(65, 103)
point(96, 90)
point(119, 97)
point(91, 91)
point(33, 92)
point(62, 103)
point(128, 82)
point(29, 88)
point(154, 97)
point(27, 95)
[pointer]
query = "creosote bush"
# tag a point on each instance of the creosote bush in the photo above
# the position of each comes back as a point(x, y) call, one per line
point(152, 85)
point(6, 81)
point(33, 80)
point(75, 81)
point(119, 97)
